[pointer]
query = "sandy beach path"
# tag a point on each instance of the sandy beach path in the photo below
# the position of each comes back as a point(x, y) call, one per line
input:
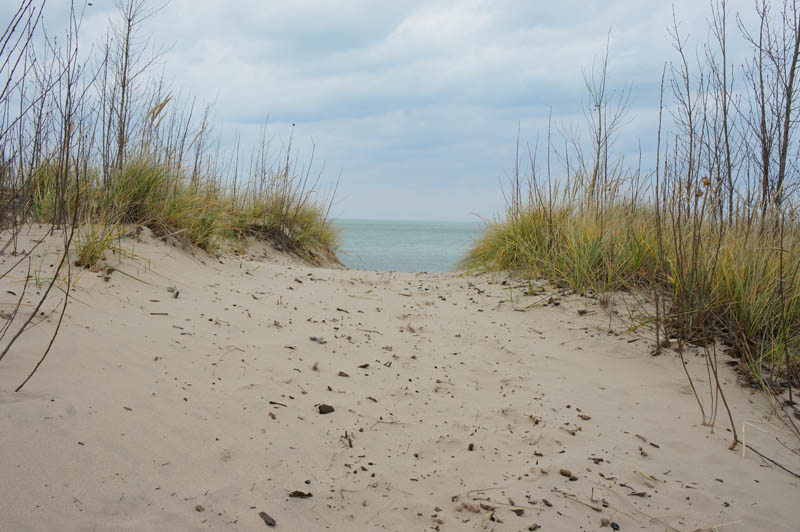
point(189, 393)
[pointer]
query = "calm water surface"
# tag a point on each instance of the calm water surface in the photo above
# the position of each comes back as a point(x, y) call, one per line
point(405, 246)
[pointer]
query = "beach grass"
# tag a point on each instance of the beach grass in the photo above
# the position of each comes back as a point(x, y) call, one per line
point(199, 213)
point(720, 284)
point(710, 236)
point(115, 153)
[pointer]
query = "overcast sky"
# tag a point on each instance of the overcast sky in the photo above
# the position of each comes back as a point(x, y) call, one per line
point(416, 103)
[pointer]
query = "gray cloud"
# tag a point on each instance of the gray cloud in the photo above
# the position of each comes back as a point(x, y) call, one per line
point(416, 102)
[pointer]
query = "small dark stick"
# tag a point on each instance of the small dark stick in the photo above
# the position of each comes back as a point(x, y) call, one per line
point(267, 518)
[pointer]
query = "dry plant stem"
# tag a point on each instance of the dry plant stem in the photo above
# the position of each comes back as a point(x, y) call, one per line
point(12, 239)
point(55, 332)
point(659, 230)
point(782, 408)
point(770, 460)
point(64, 259)
point(691, 384)
point(735, 440)
point(713, 389)
point(11, 43)
point(14, 313)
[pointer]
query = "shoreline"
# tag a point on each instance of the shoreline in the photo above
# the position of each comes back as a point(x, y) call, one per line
point(453, 409)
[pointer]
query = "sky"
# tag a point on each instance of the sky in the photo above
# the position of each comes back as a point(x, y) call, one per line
point(416, 104)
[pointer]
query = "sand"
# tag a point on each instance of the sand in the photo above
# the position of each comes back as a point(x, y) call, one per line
point(459, 403)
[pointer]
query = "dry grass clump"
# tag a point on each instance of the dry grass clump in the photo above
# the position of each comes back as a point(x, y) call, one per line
point(712, 235)
point(720, 284)
point(200, 213)
point(582, 249)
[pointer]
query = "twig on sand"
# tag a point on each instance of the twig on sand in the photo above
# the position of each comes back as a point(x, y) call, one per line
point(362, 297)
point(470, 492)
point(382, 422)
point(770, 460)
point(575, 499)
point(714, 528)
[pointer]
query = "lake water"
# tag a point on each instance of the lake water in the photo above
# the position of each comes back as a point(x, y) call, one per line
point(405, 246)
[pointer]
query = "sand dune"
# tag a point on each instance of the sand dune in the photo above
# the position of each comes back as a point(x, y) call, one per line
point(452, 409)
